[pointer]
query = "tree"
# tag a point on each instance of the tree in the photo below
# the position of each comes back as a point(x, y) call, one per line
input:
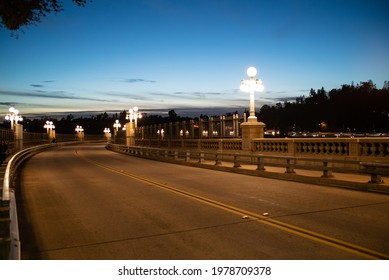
point(386, 85)
point(17, 13)
point(172, 115)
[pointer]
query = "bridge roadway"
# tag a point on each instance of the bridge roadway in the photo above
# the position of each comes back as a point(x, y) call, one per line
point(84, 202)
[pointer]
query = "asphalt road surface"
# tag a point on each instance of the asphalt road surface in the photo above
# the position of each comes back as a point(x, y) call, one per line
point(84, 202)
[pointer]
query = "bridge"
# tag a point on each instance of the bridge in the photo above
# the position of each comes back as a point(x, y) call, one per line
point(90, 202)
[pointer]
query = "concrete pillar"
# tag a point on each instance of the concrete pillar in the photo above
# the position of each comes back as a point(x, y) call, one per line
point(18, 129)
point(210, 127)
point(191, 132)
point(201, 128)
point(236, 124)
point(222, 126)
point(170, 131)
point(251, 130)
point(130, 134)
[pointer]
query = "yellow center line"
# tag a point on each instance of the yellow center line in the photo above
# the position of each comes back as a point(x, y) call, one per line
point(337, 243)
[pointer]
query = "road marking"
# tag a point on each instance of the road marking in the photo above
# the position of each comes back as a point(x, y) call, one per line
point(337, 243)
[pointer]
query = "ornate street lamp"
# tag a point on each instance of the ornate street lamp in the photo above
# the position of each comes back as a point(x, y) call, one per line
point(13, 117)
point(49, 126)
point(117, 125)
point(79, 129)
point(251, 85)
point(107, 133)
point(50, 132)
point(134, 114)
point(80, 132)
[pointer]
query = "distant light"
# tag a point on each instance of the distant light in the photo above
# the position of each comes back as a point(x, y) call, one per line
point(251, 71)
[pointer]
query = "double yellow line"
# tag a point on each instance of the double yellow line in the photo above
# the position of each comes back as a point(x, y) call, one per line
point(311, 235)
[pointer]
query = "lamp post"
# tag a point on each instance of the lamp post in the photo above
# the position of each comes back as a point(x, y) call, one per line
point(117, 125)
point(50, 129)
point(251, 85)
point(133, 114)
point(107, 133)
point(80, 132)
point(13, 117)
point(252, 128)
point(161, 133)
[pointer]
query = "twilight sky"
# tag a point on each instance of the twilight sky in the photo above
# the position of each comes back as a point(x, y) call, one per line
point(190, 55)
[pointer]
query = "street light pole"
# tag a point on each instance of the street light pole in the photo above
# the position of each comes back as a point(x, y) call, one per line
point(13, 117)
point(133, 114)
point(107, 133)
point(117, 125)
point(50, 129)
point(251, 85)
point(252, 128)
point(80, 132)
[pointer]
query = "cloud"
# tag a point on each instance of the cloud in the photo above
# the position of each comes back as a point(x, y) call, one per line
point(49, 81)
point(137, 81)
point(8, 103)
point(55, 95)
point(35, 85)
point(288, 98)
point(129, 96)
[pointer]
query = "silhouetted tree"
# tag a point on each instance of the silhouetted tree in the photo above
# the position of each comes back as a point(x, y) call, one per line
point(350, 108)
point(17, 13)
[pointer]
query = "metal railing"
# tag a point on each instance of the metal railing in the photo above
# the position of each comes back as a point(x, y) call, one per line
point(326, 166)
point(9, 231)
point(9, 238)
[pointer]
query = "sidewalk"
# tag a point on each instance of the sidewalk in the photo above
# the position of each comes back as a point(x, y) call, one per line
point(342, 180)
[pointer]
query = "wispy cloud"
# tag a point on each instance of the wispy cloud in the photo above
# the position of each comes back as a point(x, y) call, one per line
point(35, 85)
point(49, 81)
point(55, 95)
point(134, 80)
point(8, 103)
point(129, 96)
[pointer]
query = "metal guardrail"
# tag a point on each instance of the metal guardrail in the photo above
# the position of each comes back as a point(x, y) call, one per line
point(326, 165)
point(8, 202)
point(9, 230)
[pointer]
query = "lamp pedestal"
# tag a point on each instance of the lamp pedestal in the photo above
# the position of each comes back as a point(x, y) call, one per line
point(130, 134)
point(250, 130)
point(18, 129)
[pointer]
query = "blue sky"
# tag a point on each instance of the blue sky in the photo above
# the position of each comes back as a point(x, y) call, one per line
point(190, 55)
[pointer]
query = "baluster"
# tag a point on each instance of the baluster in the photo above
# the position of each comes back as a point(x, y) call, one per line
point(218, 160)
point(327, 173)
point(290, 165)
point(236, 161)
point(260, 163)
point(365, 149)
point(374, 149)
point(201, 157)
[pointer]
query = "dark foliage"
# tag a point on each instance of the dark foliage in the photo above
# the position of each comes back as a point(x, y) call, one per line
point(18, 13)
point(348, 109)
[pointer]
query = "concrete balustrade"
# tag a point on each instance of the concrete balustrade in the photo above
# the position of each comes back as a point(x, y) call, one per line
point(350, 148)
point(343, 148)
point(327, 166)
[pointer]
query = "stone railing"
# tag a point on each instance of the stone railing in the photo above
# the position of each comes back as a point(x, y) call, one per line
point(193, 144)
point(342, 148)
point(246, 163)
point(351, 148)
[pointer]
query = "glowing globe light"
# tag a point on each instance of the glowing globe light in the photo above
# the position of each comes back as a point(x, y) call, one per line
point(251, 72)
point(251, 85)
